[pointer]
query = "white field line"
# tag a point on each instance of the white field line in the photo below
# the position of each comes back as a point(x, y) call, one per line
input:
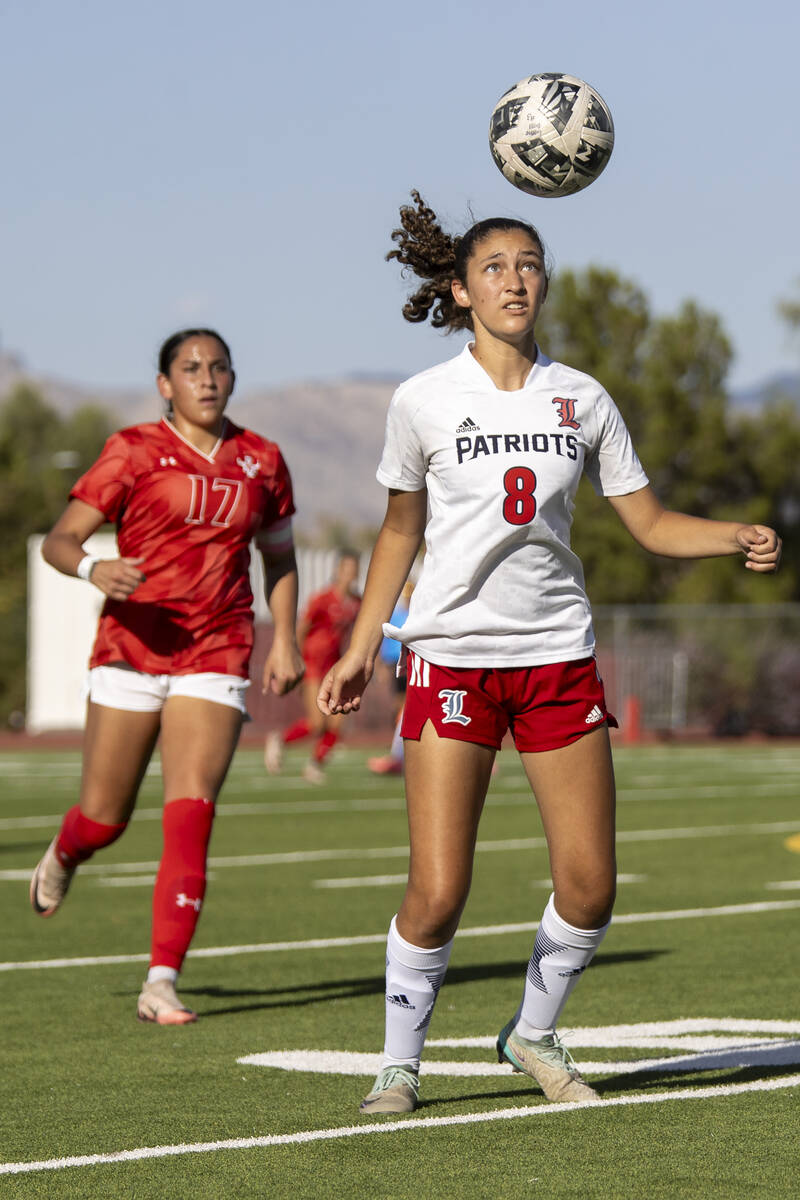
point(409, 1125)
point(487, 847)
point(727, 910)
point(747, 1053)
point(496, 799)
point(785, 885)
point(359, 881)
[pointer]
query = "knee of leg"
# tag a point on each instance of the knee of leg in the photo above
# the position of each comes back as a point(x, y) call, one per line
point(187, 826)
point(587, 902)
point(434, 914)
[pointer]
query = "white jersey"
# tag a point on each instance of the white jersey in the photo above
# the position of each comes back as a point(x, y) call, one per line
point(500, 586)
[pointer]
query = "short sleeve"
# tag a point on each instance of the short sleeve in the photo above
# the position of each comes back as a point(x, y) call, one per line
point(108, 483)
point(403, 465)
point(281, 499)
point(613, 465)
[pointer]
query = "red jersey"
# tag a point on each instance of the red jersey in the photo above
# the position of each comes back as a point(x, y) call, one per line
point(329, 617)
point(191, 517)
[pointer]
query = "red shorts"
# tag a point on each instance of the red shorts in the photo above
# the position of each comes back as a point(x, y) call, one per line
point(544, 707)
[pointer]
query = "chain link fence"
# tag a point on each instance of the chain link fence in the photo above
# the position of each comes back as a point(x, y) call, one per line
point(719, 670)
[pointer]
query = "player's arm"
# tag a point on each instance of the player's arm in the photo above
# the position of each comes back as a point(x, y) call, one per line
point(678, 535)
point(63, 549)
point(283, 668)
point(392, 559)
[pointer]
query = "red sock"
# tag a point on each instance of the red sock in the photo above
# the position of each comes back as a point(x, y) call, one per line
point(324, 746)
point(181, 880)
point(295, 732)
point(80, 836)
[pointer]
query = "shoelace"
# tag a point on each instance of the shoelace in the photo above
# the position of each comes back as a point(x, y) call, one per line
point(559, 1052)
point(390, 1076)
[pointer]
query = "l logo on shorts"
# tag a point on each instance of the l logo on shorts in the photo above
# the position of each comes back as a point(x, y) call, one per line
point(452, 706)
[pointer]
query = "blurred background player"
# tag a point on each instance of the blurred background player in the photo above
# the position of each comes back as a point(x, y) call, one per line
point(323, 632)
point(390, 662)
point(171, 656)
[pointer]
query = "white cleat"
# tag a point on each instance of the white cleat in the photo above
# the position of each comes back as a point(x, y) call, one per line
point(548, 1062)
point(313, 773)
point(396, 1090)
point(50, 882)
point(158, 1002)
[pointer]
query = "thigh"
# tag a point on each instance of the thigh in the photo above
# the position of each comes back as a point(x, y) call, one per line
point(117, 747)
point(574, 789)
point(446, 784)
point(198, 738)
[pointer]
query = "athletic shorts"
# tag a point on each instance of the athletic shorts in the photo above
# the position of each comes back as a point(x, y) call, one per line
point(545, 707)
point(134, 691)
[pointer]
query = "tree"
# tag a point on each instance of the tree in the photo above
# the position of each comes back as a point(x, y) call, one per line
point(667, 375)
point(41, 456)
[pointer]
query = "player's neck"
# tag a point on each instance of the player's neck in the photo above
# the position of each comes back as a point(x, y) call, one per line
point(508, 364)
point(203, 438)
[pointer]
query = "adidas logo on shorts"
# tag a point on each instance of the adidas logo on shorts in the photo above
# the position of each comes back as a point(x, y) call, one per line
point(468, 426)
point(595, 715)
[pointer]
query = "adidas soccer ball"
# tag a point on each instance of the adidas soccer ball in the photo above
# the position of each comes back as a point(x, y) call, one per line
point(551, 135)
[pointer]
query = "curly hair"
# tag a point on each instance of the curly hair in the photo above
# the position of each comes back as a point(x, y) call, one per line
point(437, 258)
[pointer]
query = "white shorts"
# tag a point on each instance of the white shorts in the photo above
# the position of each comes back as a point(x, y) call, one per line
point(134, 691)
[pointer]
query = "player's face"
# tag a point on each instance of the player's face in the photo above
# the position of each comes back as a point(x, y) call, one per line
point(505, 286)
point(347, 573)
point(199, 383)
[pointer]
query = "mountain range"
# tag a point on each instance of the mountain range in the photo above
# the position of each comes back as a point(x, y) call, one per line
point(331, 433)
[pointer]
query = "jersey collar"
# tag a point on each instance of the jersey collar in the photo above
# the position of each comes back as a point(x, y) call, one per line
point(213, 453)
point(477, 374)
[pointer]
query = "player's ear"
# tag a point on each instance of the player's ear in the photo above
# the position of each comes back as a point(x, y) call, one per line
point(460, 293)
point(233, 381)
point(164, 387)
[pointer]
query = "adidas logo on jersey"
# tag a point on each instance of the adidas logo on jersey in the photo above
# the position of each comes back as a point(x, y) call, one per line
point(595, 715)
point(168, 461)
point(468, 426)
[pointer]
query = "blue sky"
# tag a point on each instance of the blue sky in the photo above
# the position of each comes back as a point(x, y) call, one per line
point(170, 163)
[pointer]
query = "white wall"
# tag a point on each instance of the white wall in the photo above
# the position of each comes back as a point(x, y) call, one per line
point(62, 617)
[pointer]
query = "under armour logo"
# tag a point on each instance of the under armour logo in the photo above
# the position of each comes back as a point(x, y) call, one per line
point(184, 901)
point(249, 466)
point(168, 461)
point(452, 706)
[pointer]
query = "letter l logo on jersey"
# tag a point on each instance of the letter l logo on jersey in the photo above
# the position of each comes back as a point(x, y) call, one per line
point(452, 706)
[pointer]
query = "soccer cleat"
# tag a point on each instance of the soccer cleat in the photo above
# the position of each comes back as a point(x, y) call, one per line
point(548, 1062)
point(50, 882)
point(396, 1090)
point(313, 773)
point(158, 1002)
point(273, 753)
point(387, 765)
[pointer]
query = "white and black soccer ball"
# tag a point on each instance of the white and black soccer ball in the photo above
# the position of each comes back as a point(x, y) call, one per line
point(551, 134)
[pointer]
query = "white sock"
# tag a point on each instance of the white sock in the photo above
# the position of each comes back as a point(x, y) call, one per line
point(413, 979)
point(156, 973)
point(561, 953)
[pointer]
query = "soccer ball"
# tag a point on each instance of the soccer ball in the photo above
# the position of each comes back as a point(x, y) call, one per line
point(551, 134)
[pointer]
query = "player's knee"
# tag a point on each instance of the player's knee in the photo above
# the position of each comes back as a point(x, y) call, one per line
point(432, 913)
point(586, 901)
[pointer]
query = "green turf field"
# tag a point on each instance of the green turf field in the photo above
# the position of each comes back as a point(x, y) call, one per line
point(687, 1023)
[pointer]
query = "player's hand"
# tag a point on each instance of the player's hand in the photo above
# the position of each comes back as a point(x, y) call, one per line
point(762, 547)
point(342, 688)
point(118, 578)
point(283, 669)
